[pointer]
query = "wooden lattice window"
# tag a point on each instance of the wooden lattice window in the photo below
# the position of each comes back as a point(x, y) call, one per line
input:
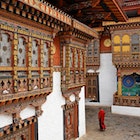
point(77, 59)
point(46, 55)
point(94, 82)
point(21, 52)
point(89, 91)
point(135, 43)
point(117, 43)
point(89, 82)
point(96, 48)
point(34, 53)
point(5, 50)
point(125, 43)
point(89, 50)
point(71, 57)
point(82, 60)
point(64, 56)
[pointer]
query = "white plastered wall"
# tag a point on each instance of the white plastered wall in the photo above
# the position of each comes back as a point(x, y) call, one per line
point(107, 81)
point(125, 110)
point(82, 122)
point(5, 120)
point(51, 123)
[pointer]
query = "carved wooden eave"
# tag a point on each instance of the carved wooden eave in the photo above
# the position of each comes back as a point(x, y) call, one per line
point(36, 11)
point(92, 12)
point(45, 14)
point(131, 23)
point(116, 10)
point(85, 29)
point(72, 34)
point(74, 39)
point(14, 104)
point(127, 64)
point(128, 71)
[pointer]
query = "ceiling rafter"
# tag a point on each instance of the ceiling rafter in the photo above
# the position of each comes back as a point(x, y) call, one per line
point(91, 12)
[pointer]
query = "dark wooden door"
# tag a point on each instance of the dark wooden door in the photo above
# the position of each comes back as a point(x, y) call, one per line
point(71, 122)
point(92, 86)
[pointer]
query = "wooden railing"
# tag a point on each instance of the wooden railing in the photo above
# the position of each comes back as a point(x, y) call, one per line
point(126, 100)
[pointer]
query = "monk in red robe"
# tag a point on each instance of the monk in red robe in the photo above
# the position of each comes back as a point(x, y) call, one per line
point(101, 117)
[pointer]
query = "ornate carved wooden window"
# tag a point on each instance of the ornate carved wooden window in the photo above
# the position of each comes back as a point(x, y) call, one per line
point(89, 92)
point(89, 50)
point(21, 52)
point(117, 44)
point(92, 88)
point(96, 48)
point(125, 43)
point(77, 59)
point(89, 82)
point(46, 55)
point(5, 50)
point(64, 56)
point(35, 49)
point(82, 60)
point(6, 81)
point(135, 43)
point(71, 57)
point(93, 55)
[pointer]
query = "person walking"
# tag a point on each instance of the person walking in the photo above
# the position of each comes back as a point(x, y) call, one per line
point(101, 117)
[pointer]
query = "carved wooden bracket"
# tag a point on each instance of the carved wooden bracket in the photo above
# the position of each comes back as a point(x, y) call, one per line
point(16, 118)
point(74, 92)
point(15, 106)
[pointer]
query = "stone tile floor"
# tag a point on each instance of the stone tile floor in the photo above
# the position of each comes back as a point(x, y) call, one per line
point(118, 127)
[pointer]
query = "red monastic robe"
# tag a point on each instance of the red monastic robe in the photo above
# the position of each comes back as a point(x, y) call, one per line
point(101, 116)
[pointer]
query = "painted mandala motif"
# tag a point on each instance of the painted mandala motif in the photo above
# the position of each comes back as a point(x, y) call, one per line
point(128, 81)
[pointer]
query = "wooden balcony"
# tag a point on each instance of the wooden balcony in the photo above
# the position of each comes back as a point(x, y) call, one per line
point(73, 80)
point(126, 100)
point(37, 87)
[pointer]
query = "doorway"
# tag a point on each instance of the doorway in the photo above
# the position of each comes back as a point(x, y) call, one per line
point(92, 86)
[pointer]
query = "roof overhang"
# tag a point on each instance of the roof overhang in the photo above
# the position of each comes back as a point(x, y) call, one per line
point(130, 20)
point(117, 10)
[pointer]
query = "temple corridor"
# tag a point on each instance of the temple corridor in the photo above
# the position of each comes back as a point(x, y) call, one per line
point(118, 127)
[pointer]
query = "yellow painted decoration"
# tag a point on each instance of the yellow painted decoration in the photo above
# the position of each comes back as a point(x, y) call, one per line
point(53, 49)
point(125, 48)
point(116, 39)
point(107, 42)
point(119, 86)
point(126, 39)
point(117, 48)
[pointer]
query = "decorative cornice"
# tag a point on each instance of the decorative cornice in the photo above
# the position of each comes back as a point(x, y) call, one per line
point(49, 10)
point(130, 20)
point(80, 26)
point(54, 15)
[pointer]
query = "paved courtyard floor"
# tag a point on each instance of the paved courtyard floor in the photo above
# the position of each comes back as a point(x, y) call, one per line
point(118, 127)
